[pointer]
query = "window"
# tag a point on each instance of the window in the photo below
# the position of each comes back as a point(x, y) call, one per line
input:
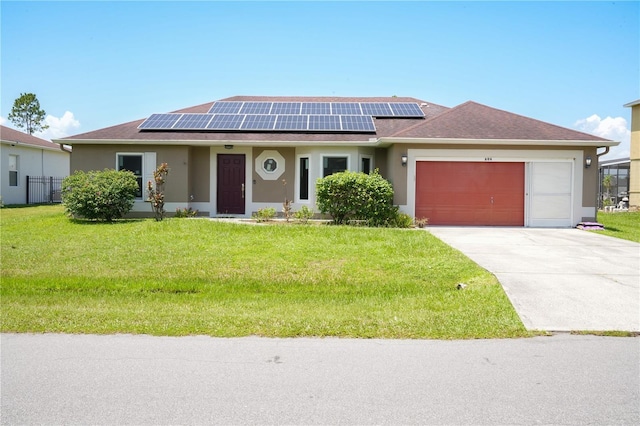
point(304, 178)
point(333, 165)
point(132, 163)
point(13, 170)
point(365, 166)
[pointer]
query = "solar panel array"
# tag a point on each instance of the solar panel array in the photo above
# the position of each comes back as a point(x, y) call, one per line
point(375, 109)
point(285, 116)
point(260, 122)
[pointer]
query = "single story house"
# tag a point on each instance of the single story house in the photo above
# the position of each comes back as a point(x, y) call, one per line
point(466, 165)
point(23, 155)
point(618, 191)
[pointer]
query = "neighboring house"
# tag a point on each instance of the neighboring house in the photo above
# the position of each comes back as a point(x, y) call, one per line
point(620, 177)
point(23, 155)
point(634, 172)
point(467, 165)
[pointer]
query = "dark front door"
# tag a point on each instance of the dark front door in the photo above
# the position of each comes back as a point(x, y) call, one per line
point(231, 183)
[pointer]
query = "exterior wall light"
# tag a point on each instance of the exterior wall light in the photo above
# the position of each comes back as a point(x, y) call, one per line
point(587, 162)
point(404, 158)
point(228, 147)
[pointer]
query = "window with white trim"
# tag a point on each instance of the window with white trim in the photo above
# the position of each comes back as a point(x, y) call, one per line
point(304, 178)
point(331, 165)
point(13, 170)
point(132, 163)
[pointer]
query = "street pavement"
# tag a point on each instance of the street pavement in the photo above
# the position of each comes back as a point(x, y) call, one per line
point(55, 379)
point(558, 279)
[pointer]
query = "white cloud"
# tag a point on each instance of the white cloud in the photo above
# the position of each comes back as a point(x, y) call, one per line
point(610, 128)
point(2, 121)
point(58, 127)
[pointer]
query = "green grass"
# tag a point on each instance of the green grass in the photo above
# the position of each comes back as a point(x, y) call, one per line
point(625, 225)
point(195, 276)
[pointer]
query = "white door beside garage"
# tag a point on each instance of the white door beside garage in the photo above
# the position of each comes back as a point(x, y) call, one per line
point(550, 194)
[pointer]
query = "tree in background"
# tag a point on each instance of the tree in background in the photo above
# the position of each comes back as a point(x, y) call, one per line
point(27, 114)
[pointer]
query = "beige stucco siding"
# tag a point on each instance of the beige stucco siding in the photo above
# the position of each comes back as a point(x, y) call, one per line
point(634, 172)
point(100, 157)
point(269, 191)
point(199, 173)
point(397, 174)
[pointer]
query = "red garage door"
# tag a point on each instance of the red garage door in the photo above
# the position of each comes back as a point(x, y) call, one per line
point(458, 193)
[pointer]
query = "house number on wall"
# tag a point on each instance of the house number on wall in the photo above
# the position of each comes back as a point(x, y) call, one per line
point(488, 159)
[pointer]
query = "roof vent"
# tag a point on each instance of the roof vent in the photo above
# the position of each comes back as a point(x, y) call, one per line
point(424, 104)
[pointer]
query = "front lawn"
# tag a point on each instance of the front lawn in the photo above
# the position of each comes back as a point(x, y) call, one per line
point(625, 225)
point(196, 276)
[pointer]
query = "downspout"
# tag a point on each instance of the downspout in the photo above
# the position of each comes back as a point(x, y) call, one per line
point(606, 151)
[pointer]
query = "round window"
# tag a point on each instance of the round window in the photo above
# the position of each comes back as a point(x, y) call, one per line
point(270, 165)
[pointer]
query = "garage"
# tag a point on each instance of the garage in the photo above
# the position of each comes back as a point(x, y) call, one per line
point(471, 193)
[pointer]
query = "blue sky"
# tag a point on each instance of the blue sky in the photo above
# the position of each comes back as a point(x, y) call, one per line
point(96, 64)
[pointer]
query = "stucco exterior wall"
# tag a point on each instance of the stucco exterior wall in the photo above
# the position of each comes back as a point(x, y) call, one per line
point(634, 172)
point(273, 190)
point(100, 157)
point(199, 174)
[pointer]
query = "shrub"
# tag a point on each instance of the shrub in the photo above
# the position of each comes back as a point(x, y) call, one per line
point(156, 194)
point(264, 215)
point(304, 214)
point(186, 212)
point(402, 220)
point(99, 195)
point(350, 196)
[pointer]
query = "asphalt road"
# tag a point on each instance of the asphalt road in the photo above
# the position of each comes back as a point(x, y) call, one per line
point(144, 380)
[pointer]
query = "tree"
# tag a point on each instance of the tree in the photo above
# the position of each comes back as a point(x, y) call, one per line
point(27, 114)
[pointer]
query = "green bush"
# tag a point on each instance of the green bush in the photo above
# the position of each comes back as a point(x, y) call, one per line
point(186, 212)
point(264, 215)
point(95, 195)
point(350, 196)
point(304, 214)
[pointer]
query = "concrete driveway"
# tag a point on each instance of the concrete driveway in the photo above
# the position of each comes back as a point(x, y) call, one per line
point(558, 279)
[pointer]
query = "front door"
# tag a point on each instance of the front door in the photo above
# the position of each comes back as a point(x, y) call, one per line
point(231, 183)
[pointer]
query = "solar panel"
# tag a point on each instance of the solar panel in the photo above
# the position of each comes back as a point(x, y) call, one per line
point(317, 108)
point(225, 122)
point(292, 122)
point(160, 121)
point(376, 109)
point(193, 121)
point(358, 123)
point(285, 108)
point(258, 122)
point(324, 122)
point(256, 108)
point(404, 109)
point(225, 108)
point(350, 108)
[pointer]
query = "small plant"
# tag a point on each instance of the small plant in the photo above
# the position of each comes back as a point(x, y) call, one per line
point(264, 215)
point(286, 205)
point(402, 220)
point(304, 214)
point(156, 195)
point(95, 195)
point(421, 222)
point(185, 212)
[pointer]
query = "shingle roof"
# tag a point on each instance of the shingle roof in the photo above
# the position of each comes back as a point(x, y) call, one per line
point(466, 121)
point(8, 134)
point(472, 120)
